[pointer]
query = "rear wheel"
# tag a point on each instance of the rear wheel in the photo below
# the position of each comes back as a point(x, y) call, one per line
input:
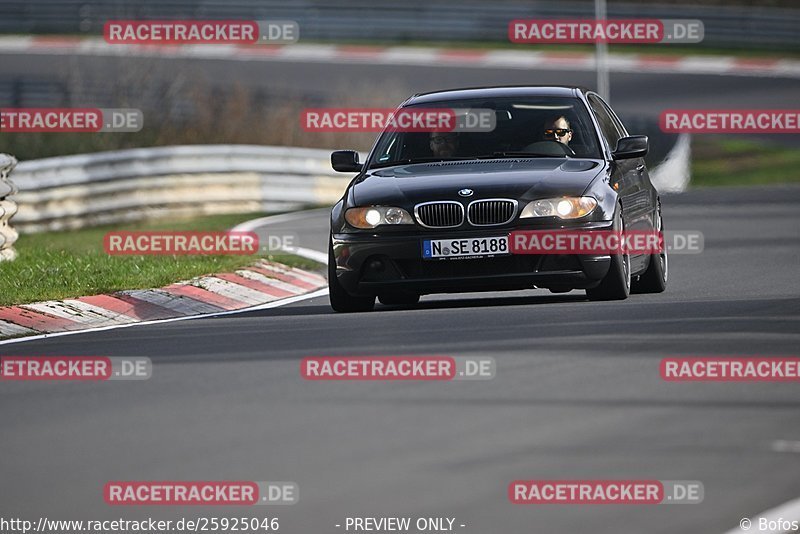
point(654, 279)
point(617, 283)
point(341, 300)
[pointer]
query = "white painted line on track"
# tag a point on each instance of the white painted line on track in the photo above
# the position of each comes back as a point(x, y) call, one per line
point(309, 254)
point(250, 226)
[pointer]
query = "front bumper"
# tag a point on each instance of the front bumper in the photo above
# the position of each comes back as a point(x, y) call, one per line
point(371, 264)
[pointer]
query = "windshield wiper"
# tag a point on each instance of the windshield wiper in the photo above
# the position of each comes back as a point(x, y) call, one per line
point(413, 161)
point(521, 155)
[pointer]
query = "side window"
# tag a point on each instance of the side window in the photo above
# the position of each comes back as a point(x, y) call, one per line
point(606, 121)
point(620, 127)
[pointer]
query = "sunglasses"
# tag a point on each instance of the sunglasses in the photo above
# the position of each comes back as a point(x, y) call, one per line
point(444, 140)
point(557, 132)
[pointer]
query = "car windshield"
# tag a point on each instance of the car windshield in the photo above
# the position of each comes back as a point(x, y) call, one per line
point(542, 126)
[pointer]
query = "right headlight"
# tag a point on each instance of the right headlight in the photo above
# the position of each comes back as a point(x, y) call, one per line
point(372, 216)
point(562, 207)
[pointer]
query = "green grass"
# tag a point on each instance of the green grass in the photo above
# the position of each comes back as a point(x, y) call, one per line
point(58, 265)
point(726, 161)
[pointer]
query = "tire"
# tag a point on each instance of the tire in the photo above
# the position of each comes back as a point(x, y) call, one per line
point(559, 290)
point(399, 299)
point(654, 279)
point(341, 300)
point(616, 285)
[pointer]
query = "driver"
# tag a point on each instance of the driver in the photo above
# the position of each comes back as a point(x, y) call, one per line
point(557, 129)
point(444, 144)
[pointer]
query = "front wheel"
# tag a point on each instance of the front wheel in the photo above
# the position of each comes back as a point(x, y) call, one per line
point(341, 300)
point(617, 283)
point(399, 299)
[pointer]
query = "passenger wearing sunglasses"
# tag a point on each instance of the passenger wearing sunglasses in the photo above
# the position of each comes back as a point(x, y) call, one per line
point(444, 144)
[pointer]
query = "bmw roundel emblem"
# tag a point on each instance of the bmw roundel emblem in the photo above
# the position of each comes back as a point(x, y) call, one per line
point(466, 192)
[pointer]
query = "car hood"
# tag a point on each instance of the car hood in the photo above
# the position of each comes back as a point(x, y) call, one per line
point(521, 179)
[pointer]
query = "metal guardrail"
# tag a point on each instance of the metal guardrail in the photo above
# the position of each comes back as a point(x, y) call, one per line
point(111, 187)
point(740, 26)
point(7, 208)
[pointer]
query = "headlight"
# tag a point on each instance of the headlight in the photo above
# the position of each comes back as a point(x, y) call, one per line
point(563, 208)
point(372, 216)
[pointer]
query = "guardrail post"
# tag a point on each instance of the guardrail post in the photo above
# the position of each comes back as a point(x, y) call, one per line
point(7, 208)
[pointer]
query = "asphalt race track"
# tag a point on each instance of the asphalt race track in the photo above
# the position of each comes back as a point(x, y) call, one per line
point(577, 396)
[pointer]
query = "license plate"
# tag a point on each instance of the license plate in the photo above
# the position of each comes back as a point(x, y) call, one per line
point(472, 247)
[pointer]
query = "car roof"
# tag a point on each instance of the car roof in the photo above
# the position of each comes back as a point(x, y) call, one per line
point(495, 92)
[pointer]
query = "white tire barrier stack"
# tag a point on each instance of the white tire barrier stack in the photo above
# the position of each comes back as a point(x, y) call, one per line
point(8, 208)
point(125, 185)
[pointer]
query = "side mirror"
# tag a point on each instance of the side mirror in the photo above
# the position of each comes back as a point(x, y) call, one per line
point(634, 146)
point(345, 161)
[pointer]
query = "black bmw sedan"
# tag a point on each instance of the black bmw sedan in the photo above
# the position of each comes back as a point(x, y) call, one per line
point(448, 210)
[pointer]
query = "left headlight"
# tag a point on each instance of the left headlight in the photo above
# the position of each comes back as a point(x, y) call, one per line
point(563, 207)
point(372, 216)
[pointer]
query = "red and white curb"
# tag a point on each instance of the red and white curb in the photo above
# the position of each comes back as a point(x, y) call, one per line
point(524, 59)
point(261, 284)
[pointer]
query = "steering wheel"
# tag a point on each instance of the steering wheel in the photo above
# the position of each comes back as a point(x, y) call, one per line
point(549, 147)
